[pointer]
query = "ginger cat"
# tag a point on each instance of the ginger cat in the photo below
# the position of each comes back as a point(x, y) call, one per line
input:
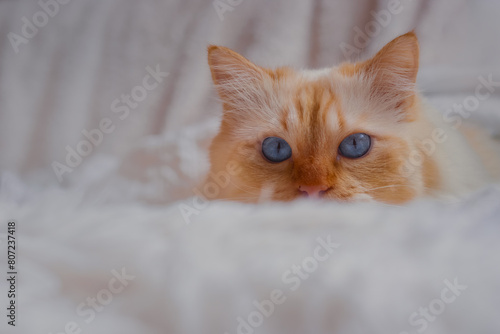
point(359, 131)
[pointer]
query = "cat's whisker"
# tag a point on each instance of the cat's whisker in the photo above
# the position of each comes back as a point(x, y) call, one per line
point(389, 186)
point(240, 187)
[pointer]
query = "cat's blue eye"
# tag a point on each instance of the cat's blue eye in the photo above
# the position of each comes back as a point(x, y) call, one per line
point(355, 145)
point(276, 149)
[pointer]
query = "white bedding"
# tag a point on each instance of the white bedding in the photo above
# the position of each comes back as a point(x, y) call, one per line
point(386, 264)
point(122, 206)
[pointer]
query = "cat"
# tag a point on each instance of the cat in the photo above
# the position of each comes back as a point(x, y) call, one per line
point(356, 132)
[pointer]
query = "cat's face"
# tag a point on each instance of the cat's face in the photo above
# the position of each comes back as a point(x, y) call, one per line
point(341, 133)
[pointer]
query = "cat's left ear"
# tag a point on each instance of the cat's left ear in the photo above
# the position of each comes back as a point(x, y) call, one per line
point(394, 70)
point(237, 79)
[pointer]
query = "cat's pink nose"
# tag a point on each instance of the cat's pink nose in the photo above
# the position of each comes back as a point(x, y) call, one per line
point(313, 191)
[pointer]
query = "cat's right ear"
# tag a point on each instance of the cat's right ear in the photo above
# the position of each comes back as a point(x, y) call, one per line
point(238, 80)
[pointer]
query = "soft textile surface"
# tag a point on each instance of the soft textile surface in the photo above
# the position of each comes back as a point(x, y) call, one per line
point(200, 277)
point(121, 208)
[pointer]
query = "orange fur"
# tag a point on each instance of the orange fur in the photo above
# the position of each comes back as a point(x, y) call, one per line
point(314, 111)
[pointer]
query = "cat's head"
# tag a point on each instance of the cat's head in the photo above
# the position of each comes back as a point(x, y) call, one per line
point(339, 133)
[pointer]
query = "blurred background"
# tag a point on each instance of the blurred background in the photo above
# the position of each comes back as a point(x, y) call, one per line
point(107, 106)
point(64, 64)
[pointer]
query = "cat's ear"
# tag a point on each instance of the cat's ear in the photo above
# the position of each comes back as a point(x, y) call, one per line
point(394, 70)
point(238, 80)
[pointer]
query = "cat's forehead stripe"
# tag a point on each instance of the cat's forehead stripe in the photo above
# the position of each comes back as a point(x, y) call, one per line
point(313, 111)
point(314, 106)
point(331, 102)
point(284, 120)
point(299, 109)
point(340, 116)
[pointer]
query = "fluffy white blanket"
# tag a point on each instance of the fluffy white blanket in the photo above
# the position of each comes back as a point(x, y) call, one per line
point(302, 267)
point(124, 248)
